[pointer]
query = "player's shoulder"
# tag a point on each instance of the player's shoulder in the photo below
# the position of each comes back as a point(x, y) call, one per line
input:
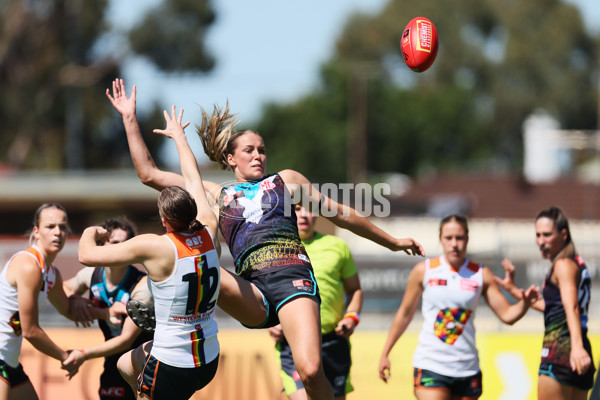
point(331, 240)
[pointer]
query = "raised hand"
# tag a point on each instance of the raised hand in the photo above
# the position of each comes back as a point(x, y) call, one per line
point(531, 295)
point(174, 127)
point(123, 104)
point(508, 283)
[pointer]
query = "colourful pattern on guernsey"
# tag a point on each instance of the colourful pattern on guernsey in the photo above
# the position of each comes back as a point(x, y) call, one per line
point(449, 302)
point(258, 222)
point(449, 323)
point(557, 341)
point(186, 331)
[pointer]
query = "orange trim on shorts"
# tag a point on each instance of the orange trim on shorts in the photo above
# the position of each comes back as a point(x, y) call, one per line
point(141, 379)
point(154, 379)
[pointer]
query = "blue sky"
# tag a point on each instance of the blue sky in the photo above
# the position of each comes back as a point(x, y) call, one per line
point(266, 50)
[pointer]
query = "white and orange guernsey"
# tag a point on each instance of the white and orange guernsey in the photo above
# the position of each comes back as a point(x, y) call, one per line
point(450, 298)
point(186, 332)
point(11, 336)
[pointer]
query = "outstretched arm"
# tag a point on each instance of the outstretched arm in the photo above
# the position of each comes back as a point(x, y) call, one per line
point(189, 169)
point(117, 344)
point(508, 284)
point(68, 306)
point(145, 167)
point(405, 314)
point(506, 312)
point(345, 216)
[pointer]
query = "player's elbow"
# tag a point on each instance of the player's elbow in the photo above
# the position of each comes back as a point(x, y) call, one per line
point(85, 258)
point(30, 333)
point(145, 176)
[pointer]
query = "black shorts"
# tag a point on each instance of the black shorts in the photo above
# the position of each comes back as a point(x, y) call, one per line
point(468, 387)
point(281, 286)
point(336, 364)
point(112, 384)
point(159, 381)
point(566, 376)
point(13, 376)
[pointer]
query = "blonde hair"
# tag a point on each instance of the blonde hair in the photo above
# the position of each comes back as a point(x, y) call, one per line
point(217, 134)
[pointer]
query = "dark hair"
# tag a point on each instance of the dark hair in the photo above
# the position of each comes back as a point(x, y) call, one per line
point(120, 223)
point(558, 218)
point(460, 219)
point(178, 208)
point(38, 213)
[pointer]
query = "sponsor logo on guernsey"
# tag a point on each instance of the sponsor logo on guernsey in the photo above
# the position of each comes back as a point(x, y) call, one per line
point(194, 242)
point(193, 319)
point(468, 284)
point(437, 282)
point(117, 392)
point(267, 185)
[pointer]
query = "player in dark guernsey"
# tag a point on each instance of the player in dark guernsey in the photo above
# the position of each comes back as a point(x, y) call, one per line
point(257, 218)
point(566, 367)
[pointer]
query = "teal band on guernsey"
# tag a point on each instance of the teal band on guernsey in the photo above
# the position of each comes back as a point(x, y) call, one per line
point(258, 222)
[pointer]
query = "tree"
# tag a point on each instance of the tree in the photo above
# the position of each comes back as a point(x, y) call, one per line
point(497, 63)
point(54, 71)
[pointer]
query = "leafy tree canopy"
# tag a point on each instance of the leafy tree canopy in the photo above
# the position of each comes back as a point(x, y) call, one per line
point(497, 63)
point(53, 74)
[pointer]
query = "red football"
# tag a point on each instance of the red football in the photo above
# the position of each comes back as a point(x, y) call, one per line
point(419, 44)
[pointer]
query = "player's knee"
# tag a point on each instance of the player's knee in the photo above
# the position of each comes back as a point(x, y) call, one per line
point(125, 367)
point(309, 371)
